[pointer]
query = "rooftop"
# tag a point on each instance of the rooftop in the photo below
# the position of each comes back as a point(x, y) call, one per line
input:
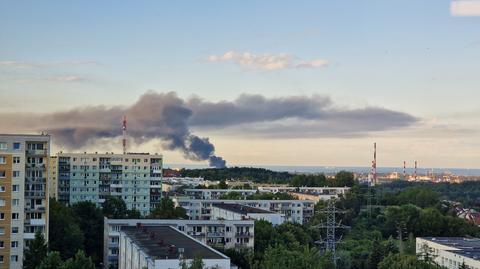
point(241, 209)
point(165, 242)
point(468, 247)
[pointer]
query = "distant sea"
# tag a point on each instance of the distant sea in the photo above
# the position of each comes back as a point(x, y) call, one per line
point(334, 169)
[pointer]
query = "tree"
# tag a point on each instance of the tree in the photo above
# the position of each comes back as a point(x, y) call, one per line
point(344, 179)
point(167, 210)
point(80, 261)
point(52, 261)
point(90, 219)
point(279, 257)
point(114, 207)
point(196, 263)
point(65, 235)
point(36, 252)
point(222, 184)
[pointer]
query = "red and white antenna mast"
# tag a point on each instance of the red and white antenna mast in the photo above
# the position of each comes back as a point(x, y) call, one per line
point(124, 140)
point(374, 164)
point(404, 170)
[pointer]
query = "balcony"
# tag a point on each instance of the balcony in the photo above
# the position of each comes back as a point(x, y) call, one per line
point(36, 165)
point(215, 234)
point(244, 234)
point(37, 222)
point(28, 235)
point(37, 152)
point(116, 185)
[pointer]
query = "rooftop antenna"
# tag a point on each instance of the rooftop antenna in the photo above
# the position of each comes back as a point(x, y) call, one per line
point(124, 130)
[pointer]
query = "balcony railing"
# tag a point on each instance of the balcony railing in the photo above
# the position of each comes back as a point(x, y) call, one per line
point(244, 234)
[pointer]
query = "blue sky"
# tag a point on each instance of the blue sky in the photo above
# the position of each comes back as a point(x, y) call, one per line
point(417, 57)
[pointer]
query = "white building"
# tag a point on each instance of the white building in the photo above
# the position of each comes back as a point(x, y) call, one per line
point(209, 194)
point(23, 194)
point(162, 247)
point(219, 234)
point(296, 211)
point(451, 252)
point(322, 193)
point(134, 177)
point(242, 212)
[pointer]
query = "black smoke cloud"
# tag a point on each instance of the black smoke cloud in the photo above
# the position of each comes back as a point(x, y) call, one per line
point(170, 118)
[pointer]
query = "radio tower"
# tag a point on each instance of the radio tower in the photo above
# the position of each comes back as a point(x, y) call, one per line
point(374, 163)
point(124, 140)
point(331, 225)
point(404, 171)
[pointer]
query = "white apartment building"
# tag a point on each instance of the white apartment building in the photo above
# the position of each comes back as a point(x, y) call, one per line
point(212, 194)
point(219, 234)
point(451, 252)
point(52, 180)
point(296, 211)
point(23, 194)
point(162, 247)
point(325, 192)
point(223, 211)
point(135, 177)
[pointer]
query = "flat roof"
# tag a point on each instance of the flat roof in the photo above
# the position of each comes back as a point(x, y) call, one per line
point(468, 247)
point(164, 242)
point(241, 209)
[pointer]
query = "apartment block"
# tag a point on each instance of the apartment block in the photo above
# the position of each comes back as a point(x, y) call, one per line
point(135, 177)
point(219, 234)
point(451, 252)
point(210, 194)
point(296, 211)
point(161, 247)
point(23, 194)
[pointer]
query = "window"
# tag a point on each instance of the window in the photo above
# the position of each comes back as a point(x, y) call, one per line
point(2, 189)
point(15, 216)
point(14, 244)
point(3, 145)
point(3, 174)
point(16, 173)
point(16, 159)
point(2, 244)
point(14, 230)
point(3, 160)
point(14, 258)
point(15, 188)
point(15, 202)
point(1, 258)
point(2, 202)
point(2, 230)
point(2, 216)
point(16, 146)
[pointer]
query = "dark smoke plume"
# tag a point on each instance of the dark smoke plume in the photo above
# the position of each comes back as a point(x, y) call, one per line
point(167, 117)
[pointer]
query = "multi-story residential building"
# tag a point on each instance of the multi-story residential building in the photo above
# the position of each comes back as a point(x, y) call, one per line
point(52, 177)
point(23, 194)
point(450, 252)
point(135, 177)
point(323, 193)
point(222, 211)
point(212, 194)
point(219, 234)
point(296, 211)
point(161, 247)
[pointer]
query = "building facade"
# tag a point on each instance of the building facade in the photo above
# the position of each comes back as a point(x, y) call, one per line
point(23, 194)
point(135, 177)
point(219, 234)
point(296, 211)
point(52, 181)
point(212, 194)
point(451, 252)
point(222, 211)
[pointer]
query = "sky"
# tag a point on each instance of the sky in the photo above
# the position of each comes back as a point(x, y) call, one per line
point(267, 82)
